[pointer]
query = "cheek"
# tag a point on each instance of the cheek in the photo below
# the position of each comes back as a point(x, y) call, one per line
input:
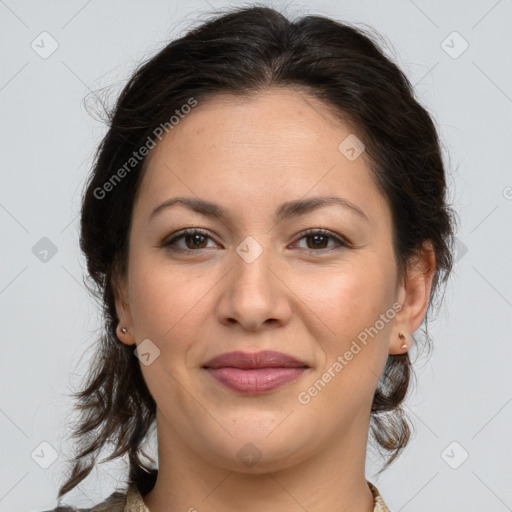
point(351, 303)
point(168, 300)
point(170, 305)
point(354, 351)
point(347, 298)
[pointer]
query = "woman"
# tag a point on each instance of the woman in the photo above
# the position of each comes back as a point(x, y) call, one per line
point(266, 226)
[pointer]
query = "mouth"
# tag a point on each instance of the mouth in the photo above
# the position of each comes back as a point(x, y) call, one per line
point(255, 373)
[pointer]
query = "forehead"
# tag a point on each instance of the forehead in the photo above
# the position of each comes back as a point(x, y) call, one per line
point(249, 150)
point(276, 119)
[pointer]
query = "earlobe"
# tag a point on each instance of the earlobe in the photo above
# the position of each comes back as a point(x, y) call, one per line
point(403, 338)
point(400, 344)
point(124, 335)
point(124, 328)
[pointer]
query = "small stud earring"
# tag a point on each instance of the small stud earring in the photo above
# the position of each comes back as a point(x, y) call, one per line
point(124, 330)
point(402, 336)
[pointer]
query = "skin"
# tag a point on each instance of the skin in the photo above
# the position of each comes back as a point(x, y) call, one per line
point(249, 155)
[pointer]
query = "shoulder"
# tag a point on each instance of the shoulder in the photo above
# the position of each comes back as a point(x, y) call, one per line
point(114, 503)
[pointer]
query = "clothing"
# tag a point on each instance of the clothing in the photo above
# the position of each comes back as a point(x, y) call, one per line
point(131, 501)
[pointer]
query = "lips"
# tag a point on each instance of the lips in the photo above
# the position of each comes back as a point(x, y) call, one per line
point(248, 361)
point(255, 373)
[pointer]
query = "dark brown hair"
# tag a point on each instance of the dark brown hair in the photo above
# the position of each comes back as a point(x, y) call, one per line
point(241, 52)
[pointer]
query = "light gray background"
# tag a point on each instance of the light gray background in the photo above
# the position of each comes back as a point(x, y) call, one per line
point(49, 322)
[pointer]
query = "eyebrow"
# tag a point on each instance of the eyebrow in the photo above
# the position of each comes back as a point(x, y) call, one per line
point(285, 211)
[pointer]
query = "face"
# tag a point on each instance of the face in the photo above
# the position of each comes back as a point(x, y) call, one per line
point(317, 282)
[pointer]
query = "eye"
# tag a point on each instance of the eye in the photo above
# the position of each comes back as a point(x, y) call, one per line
point(196, 239)
point(193, 239)
point(319, 238)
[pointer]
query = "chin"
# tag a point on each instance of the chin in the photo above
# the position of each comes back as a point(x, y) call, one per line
point(258, 452)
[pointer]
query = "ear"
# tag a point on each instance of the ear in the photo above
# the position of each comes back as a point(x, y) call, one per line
point(413, 295)
point(120, 289)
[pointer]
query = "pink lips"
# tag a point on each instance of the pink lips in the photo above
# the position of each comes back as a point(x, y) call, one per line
point(254, 373)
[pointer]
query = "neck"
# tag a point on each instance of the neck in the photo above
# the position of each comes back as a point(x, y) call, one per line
point(331, 479)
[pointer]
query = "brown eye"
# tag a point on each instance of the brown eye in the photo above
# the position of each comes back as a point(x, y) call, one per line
point(196, 241)
point(318, 240)
point(193, 240)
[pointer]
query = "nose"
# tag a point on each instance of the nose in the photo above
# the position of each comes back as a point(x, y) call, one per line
point(255, 295)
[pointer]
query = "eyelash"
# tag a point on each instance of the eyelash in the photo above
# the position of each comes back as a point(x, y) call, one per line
point(170, 244)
